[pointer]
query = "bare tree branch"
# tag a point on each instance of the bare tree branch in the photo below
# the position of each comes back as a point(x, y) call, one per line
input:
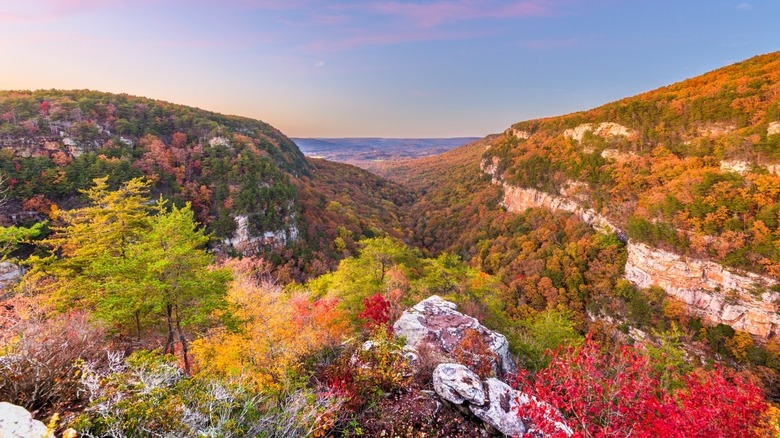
point(3, 189)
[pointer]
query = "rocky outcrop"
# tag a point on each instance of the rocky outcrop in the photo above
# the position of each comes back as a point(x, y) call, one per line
point(44, 146)
point(712, 130)
point(604, 129)
point(492, 401)
point(9, 274)
point(491, 168)
point(435, 325)
point(16, 422)
point(244, 242)
point(519, 199)
point(505, 408)
point(774, 169)
point(743, 301)
point(773, 128)
point(518, 133)
point(617, 155)
point(219, 141)
point(502, 408)
point(738, 166)
point(457, 384)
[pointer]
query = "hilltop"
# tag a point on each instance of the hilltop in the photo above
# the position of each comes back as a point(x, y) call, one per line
point(247, 182)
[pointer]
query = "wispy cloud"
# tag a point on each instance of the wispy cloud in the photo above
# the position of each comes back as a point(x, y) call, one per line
point(310, 25)
point(551, 43)
point(276, 5)
point(330, 19)
point(744, 7)
point(436, 13)
point(348, 25)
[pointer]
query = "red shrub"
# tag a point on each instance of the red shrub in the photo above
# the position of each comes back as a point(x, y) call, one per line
point(376, 311)
point(618, 394)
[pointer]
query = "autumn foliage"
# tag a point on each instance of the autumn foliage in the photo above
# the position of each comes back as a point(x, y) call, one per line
point(618, 394)
point(376, 311)
point(275, 331)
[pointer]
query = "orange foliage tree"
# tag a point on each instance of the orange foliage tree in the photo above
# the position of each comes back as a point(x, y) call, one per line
point(275, 330)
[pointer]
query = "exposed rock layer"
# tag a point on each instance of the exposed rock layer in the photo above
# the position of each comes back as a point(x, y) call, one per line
point(743, 301)
point(244, 242)
point(605, 129)
point(518, 199)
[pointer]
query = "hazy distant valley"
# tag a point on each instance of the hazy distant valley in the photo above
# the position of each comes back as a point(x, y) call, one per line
point(368, 153)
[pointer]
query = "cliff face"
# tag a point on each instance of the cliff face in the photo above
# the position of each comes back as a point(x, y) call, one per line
point(743, 301)
point(244, 242)
point(517, 199)
point(708, 289)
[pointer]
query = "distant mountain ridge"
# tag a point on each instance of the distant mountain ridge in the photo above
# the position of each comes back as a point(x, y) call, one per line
point(366, 152)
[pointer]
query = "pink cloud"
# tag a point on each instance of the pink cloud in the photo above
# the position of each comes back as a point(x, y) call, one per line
point(35, 11)
point(330, 19)
point(400, 22)
point(433, 14)
point(276, 5)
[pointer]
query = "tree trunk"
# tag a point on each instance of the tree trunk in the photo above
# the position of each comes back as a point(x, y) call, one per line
point(169, 342)
point(183, 339)
point(138, 325)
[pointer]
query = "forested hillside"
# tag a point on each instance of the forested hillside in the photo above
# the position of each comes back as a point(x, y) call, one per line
point(691, 167)
point(54, 143)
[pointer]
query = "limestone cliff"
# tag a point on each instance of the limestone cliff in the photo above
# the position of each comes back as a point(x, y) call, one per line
point(244, 242)
point(518, 199)
point(744, 301)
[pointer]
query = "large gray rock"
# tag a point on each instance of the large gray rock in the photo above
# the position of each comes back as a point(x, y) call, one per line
point(504, 410)
point(16, 422)
point(436, 324)
point(9, 274)
point(501, 409)
point(457, 384)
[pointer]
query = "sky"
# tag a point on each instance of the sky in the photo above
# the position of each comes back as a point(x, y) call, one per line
point(384, 68)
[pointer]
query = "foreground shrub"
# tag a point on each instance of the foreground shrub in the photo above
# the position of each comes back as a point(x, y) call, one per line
point(367, 372)
point(417, 414)
point(149, 395)
point(39, 367)
point(376, 312)
point(618, 394)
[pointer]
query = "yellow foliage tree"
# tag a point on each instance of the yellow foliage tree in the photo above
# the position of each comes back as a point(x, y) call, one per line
point(275, 330)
